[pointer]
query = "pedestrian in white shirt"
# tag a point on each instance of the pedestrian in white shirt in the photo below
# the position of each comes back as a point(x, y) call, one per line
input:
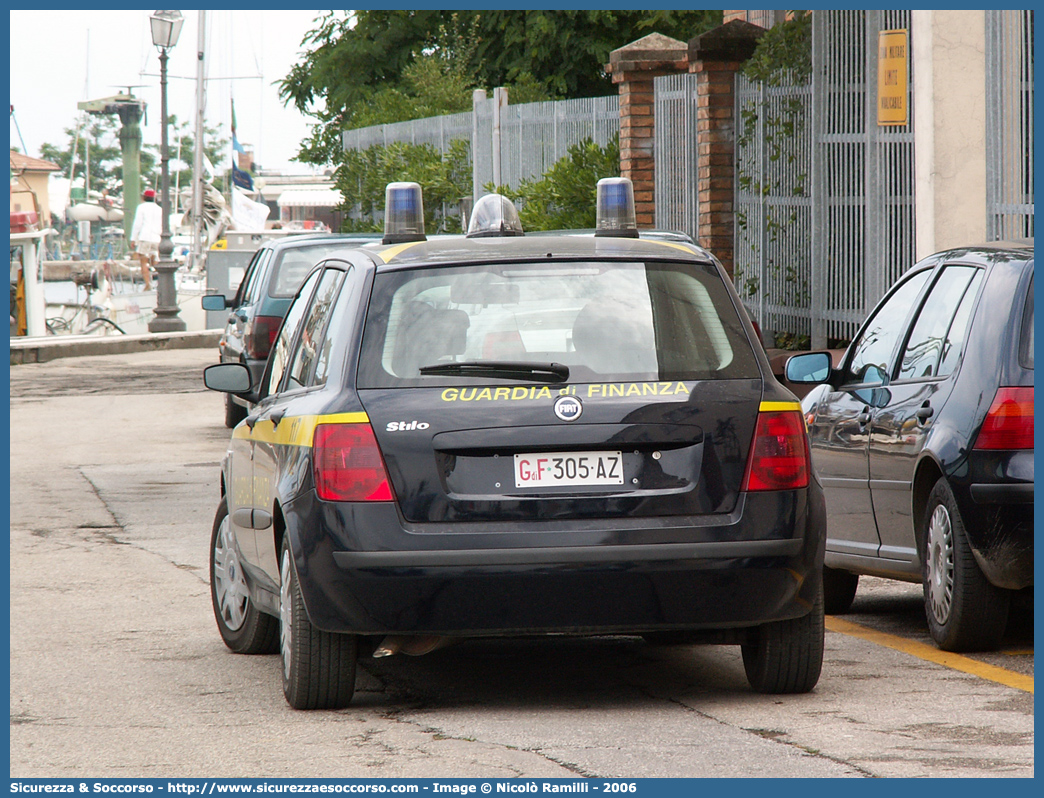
point(145, 235)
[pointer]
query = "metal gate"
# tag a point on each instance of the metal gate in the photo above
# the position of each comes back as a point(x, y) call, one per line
point(824, 196)
point(1009, 125)
point(862, 174)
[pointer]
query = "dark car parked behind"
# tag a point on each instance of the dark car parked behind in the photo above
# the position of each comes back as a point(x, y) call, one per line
point(271, 279)
point(923, 439)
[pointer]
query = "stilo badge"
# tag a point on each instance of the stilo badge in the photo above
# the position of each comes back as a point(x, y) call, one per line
point(568, 408)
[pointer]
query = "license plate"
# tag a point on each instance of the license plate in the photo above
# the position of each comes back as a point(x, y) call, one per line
point(549, 470)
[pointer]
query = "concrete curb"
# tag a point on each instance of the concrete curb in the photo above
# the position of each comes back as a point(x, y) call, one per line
point(41, 350)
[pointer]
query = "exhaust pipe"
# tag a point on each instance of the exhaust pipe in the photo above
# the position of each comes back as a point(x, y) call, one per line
point(412, 645)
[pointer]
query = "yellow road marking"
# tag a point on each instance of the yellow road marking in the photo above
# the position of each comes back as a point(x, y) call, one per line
point(947, 659)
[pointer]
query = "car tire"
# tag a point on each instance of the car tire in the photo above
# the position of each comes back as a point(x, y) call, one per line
point(234, 413)
point(318, 667)
point(787, 656)
point(839, 590)
point(244, 628)
point(965, 611)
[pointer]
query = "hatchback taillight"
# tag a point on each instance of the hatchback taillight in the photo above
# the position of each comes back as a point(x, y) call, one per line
point(779, 456)
point(1009, 423)
point(347, 464)
point(260, 335)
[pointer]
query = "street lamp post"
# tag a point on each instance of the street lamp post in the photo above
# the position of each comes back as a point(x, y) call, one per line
point(166, 27)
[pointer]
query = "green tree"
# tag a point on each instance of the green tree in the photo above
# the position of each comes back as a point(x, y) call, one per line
point(367, 67)
point(100, 135)
point(98, 139)
point(564, 198)
point(182, 147)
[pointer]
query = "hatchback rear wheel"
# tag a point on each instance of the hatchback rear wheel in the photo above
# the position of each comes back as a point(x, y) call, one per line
point(965, 611)
point(244, 628)
point(787, 656)
point(234, 413)
point(839, 589)
point(318, 667)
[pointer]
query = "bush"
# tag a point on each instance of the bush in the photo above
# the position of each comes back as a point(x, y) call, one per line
point(564, 198)
point(363, 175)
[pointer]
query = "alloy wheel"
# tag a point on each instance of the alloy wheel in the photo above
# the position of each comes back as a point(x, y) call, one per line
point(939, 564)
point(230, 588)
point(286, 624)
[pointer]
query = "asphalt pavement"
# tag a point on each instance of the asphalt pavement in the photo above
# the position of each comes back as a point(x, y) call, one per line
point(117, 669)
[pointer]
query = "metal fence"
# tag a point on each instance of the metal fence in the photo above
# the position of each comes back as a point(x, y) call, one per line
point(437, 131)
point(773, 247)
point(532, 136)
point(1009, 124)
point(675, 191)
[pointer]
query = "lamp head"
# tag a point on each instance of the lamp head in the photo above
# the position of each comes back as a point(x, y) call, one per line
point(166, 27)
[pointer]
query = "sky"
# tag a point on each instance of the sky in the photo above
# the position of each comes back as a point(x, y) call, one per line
point(60, 58)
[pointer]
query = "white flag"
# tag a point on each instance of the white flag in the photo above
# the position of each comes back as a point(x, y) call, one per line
point(247, 214)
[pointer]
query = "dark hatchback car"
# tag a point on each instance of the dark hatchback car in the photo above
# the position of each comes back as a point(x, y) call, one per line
point(514, 435)
point(269, 283)
point(923, 440)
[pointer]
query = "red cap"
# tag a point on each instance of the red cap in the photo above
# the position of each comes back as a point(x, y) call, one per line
point(150, 194)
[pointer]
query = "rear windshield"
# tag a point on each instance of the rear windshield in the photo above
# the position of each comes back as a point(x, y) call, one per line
point(293, 265)
point(634, 321)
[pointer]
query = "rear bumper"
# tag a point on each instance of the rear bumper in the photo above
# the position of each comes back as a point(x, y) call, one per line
point(758, 564)
point(995, 496)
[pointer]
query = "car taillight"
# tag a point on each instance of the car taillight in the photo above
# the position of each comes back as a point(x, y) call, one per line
point(347, 464)
point(779, 455)
point(261, 335)
point(1009, 423)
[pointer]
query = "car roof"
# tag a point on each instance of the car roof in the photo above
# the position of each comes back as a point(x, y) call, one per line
point(455, 250)
point(318, 239)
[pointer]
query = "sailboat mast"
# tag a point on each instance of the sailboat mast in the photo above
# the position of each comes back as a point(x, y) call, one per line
point(197, 161)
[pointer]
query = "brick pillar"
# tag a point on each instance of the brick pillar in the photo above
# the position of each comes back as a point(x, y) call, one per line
point(715, 57)
point(633, 68)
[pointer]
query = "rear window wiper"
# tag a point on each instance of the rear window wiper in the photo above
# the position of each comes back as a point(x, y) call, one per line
point(502, 369)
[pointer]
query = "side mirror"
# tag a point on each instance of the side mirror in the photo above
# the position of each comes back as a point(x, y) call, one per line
point(812, 368)
point(227, 378)
point(214, 302)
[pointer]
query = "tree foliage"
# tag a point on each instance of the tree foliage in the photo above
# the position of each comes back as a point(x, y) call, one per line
point(97, 144)
point(101, 134)
point(785, 49)
point(564, 198)
point(368, 67)
point(364, 174)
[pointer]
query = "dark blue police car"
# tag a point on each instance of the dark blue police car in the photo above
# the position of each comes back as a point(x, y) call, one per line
point(508, 435)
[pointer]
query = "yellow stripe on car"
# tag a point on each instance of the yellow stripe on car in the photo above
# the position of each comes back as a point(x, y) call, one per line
point(295, 430)
point(770, 407)
point(389, 254)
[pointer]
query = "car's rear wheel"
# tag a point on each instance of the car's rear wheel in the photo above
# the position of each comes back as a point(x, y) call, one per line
point(965, 612)
point(244, 628)
point(839, 589)
point(787, 656)
point(318, 667)
point(234, 413)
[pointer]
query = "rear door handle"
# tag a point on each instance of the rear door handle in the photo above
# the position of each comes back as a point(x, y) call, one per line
point(924, 412)
point(276, 416)
point(864, 418)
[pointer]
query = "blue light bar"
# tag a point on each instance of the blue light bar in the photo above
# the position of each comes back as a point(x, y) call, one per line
point(615, 208)
point(403, 213)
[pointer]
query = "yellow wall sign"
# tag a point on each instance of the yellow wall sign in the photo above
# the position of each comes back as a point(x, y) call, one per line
point(892, 77)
